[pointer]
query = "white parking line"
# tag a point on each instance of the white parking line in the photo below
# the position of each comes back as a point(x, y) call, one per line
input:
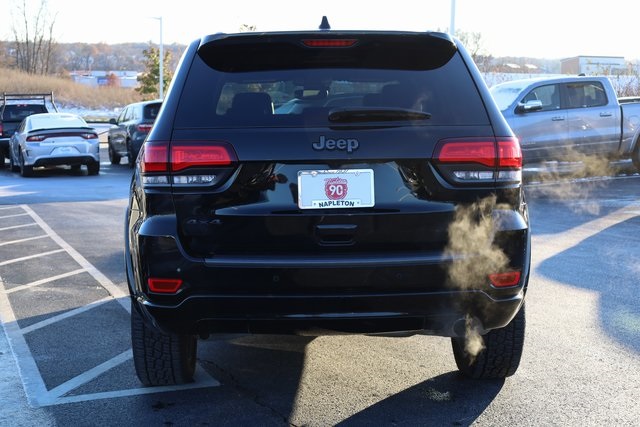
point(13, 216)
point(13, 242)
point(28, 257)
point(33, 383)
point(86, 265)
point(65, 315)
point(13, 227)
point(46, 280)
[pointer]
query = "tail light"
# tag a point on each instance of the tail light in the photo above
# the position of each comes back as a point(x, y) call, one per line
point(185, 163)
point(480, 160)
point(1, 129)
point(329, 42)
point(144, 128)
point(36, 138)
point(42, 137)
point(89, 135)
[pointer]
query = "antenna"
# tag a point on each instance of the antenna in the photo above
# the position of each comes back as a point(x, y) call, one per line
point(324, 25)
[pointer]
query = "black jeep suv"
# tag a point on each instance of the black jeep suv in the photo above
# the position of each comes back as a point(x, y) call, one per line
point(327, 182)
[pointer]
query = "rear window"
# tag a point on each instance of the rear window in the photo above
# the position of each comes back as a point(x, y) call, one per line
point(150, 111)
point(18, 112)
point(300, 86)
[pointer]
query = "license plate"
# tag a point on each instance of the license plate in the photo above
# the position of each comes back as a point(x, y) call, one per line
point(64, 150)
point(335, 189)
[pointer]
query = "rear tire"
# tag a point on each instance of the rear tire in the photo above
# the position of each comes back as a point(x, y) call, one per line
point(114, 157)
point(130, 156)
point(25, 171)
point(14, 167)
point(501, 356)
point(159, 358)
point(635, 157)
point(93, 168)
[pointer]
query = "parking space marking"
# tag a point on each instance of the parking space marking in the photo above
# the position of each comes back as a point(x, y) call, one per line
point(18, 226)
point(34, 385)
point(45, 281)
point(13, 216)
point(201, 379)
point(65, 315)
point(28, 257)
point(28, 369)
point(113, 290)
point(14, 242)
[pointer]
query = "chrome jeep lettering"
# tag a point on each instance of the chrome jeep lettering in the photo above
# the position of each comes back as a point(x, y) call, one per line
point(350, 145)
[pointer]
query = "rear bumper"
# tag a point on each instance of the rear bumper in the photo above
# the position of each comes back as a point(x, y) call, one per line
point(320, 294)
point(66, 160)
point(436, 313)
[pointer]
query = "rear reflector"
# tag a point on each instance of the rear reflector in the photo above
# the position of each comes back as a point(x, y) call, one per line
point(504, 280)
point(164, 286)
point(329, 42)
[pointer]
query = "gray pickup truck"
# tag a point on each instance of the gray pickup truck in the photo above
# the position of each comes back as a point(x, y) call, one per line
point(567, 118)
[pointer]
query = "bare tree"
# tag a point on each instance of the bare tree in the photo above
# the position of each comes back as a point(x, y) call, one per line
point(247, 28)
point(33, 37)
point(473, 42)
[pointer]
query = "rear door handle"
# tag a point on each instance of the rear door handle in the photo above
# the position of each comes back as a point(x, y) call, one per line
point(336, 234)
point(557, 119)
point(606, 114)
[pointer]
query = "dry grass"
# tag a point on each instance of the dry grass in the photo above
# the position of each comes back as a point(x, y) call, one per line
point(67, 93)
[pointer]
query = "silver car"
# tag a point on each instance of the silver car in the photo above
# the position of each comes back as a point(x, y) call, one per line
point(54, 139)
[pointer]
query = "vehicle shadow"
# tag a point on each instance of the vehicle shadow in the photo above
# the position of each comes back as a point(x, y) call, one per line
point(428, 403)
point(607, 263)
point(273, 372)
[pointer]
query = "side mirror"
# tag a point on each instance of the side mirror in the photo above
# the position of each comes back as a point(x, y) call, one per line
point(113, 121)
point(529, 106)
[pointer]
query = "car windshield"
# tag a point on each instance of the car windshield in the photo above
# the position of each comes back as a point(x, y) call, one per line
point(504, 94)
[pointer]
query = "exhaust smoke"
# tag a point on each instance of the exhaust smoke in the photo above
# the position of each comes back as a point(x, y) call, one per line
point(571, 182)
point(471, 244)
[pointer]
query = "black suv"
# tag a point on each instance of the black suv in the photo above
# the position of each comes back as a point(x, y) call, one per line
point(389, 201)
point(129, 130)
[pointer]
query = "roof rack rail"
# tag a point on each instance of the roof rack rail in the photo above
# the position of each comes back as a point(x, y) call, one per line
point(44, 97)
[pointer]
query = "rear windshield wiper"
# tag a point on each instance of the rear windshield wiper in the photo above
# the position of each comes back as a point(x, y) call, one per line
point(375, 114)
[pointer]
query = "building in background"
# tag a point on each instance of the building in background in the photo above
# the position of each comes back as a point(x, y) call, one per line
point(594, 65)
point(126, 79)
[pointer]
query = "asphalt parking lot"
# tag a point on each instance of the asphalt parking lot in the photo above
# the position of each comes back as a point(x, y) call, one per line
point(47, 286)
point(65, 355)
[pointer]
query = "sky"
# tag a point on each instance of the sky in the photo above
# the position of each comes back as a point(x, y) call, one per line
point(539, 29)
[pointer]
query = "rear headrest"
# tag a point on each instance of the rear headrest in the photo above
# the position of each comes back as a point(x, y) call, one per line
point(252, 103)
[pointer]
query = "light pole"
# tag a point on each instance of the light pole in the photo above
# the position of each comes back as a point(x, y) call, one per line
point(161, 62)
point(452, 26)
